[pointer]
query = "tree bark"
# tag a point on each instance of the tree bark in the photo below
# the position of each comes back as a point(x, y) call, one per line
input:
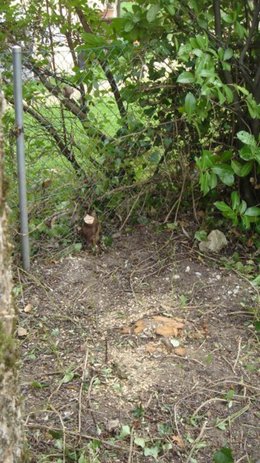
point(10, 415)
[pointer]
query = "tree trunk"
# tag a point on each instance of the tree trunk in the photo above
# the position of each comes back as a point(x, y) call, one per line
point(10, 415)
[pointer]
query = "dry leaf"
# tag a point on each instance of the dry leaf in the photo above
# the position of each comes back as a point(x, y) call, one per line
point(28, 308)
point(126, 330)
point(178, 441)
point(181, 351)
point(21, 332)
point(158, 324)
point(140, 326)
point(151, 347)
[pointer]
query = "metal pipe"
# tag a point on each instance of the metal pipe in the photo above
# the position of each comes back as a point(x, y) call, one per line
point(18, 103)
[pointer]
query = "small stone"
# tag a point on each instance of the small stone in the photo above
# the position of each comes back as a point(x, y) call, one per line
point(215, 242)
point(28, 308)
point(187, 269)
point(21, 332)
point(112, 425)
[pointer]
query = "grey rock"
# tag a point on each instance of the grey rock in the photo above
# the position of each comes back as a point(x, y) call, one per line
point(215, 242)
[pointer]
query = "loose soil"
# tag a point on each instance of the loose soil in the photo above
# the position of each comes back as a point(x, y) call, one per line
point(145, 352)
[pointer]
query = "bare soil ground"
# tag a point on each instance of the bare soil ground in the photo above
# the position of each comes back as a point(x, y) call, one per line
point(99, 387)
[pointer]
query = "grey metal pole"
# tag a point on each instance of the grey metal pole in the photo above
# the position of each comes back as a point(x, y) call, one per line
point(18, 103)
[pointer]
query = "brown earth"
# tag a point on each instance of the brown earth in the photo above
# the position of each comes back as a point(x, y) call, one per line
point(146, 352)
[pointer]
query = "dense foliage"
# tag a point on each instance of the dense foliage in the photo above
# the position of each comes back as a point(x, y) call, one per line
point(180, 109)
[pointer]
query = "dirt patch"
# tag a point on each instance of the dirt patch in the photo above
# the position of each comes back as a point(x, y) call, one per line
point(98, 390)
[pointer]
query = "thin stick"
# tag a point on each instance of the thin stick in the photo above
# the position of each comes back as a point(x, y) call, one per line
point(131, 210)
point(81, 390)
point(89, 402)
point(63, 433)
point(131, 447)
point(196, 441)
point(213, 399)
point(238, 353)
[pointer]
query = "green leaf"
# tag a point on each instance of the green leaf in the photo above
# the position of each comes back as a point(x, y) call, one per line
point(229, 93)
point(253, 107)
point(253, 211)
point(257, 323)
point(223, 207)
point(221, 425)
point(208, 181)
point(205, 161)
point(224, 455)
point(247, 153)
point(228, 53)
point(256, 282)
point(125, 431)
point(140, 442)
point(155, 157)
point(93, 40)
point(38, 385)
point(151, 452)
point(129, 26)
point(225, 174)
point(56, 434)
point(242, 207)
point(242, 170)
point(235, 200)
point(69, 375)
point(246, 138)
point(190, 103)
point(185, 78)
point(171, 9)
point(82, 459)
point(152, 12)
point(201, 235)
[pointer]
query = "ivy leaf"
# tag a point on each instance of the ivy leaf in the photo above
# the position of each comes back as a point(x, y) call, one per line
point(190, 103)
point(140, 442)
point(125, 431)
point(246, 138)
point(152, 12)
point(151, 452)
point(224, 455)
point(69, 375)
point(185, 78)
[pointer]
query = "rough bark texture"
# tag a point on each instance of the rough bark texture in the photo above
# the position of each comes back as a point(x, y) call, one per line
point(10, 416)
